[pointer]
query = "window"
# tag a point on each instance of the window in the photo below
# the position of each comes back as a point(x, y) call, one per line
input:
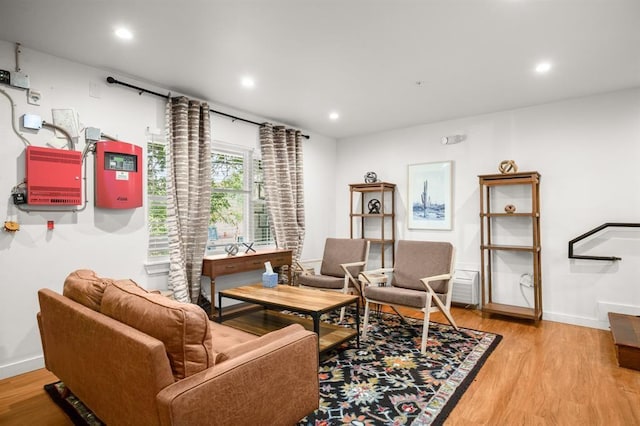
point(238, 207)
point(157, 198)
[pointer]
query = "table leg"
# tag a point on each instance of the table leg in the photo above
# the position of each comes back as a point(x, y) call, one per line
point(213, 309)
point(213, 297)
point(316, 326)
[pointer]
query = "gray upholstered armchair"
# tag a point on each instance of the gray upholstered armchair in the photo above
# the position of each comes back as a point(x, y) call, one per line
point(422, 274)
point(343, 259)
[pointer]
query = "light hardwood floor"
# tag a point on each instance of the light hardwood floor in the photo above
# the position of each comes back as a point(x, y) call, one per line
point(540, 374)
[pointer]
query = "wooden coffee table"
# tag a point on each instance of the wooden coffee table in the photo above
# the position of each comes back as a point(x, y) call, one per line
point(301, 300)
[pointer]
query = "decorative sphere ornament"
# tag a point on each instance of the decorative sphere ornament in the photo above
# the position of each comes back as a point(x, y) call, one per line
point(231, 249)
point(370, 177)
point(510, 208)
point(508, 166)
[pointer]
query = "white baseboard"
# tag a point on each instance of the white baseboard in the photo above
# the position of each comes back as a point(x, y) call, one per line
point(20, 367)
point(605, 307)
point(576, 320)
point(601, 321)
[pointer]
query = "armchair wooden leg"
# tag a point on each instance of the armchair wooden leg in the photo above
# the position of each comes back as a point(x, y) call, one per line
point(366, 319)
point(425, 325)
point(445, 311)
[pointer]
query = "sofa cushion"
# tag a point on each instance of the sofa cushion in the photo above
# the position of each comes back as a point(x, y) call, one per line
point(182, 327)
point(225, 337)
point(342, 250)
point(421, 259)
point(257, 342)
point(85, 287)
point(323, 281)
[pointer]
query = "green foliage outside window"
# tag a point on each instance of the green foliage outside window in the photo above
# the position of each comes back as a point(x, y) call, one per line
point(236, 190)
point(157, 199)
point(227, 174)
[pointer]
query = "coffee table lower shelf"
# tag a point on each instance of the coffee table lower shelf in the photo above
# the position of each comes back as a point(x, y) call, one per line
point(263, 321)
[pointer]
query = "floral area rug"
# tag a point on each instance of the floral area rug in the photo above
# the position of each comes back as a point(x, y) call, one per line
point(387, 381)
point(78, 413)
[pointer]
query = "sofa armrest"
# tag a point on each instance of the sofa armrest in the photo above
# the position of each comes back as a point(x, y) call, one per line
point(275, 380)
point(116, 370)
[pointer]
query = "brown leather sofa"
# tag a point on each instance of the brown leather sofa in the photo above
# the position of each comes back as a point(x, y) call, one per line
point(139, 358)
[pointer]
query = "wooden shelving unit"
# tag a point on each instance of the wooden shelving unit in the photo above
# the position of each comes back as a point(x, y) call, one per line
point(360, 195)
point(490, 218)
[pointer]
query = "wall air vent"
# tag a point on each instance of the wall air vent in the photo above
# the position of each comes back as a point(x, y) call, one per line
point(53, 176)
point(465, 287)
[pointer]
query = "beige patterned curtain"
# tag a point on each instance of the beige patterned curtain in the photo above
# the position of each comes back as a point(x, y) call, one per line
point(189, 194)
point(282, 162)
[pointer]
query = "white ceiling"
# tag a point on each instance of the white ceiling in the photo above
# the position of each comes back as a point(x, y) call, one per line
point(361, 58)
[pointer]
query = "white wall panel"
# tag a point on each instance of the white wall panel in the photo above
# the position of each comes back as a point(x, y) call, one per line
point(586, 150)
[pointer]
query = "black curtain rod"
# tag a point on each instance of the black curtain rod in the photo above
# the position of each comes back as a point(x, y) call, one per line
point(141, 90)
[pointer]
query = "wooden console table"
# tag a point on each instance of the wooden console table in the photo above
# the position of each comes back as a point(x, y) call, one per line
point(223, 264)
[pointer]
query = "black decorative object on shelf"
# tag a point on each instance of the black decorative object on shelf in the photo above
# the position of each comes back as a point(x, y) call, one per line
point(231, 249)
point(249, 247)
point(370, 177)
point(374, 206)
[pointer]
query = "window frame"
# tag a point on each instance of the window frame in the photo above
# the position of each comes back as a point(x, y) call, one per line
point(160, 242)
point(158, 263)
point(251, 159)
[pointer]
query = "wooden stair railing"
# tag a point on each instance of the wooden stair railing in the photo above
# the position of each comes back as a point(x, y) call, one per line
point(593, 231)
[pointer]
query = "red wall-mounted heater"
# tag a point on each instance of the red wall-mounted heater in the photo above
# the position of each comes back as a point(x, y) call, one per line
point(53, 176)
point(118, 175)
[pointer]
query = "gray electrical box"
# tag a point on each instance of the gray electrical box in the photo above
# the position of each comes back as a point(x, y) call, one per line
point(32, 121)
point(21, 80)
point(92, 134)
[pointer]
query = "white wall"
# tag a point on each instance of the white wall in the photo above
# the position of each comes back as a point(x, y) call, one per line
point(586, 150)
point(113, 243)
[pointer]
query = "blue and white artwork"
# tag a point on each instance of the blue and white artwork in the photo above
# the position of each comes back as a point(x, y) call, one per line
point(429, 195)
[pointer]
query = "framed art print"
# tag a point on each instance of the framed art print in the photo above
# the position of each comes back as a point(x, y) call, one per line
point(429, 197)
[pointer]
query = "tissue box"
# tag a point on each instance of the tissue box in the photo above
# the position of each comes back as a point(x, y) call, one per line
point(269, 279)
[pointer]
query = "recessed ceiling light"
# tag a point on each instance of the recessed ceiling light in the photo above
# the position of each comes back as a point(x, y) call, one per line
point(543, 67)
point(334, 115)
point(124, 33)
point(248, 82)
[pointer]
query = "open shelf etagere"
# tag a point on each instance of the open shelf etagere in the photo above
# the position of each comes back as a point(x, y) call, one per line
point(488, 217)
point(361, 193)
